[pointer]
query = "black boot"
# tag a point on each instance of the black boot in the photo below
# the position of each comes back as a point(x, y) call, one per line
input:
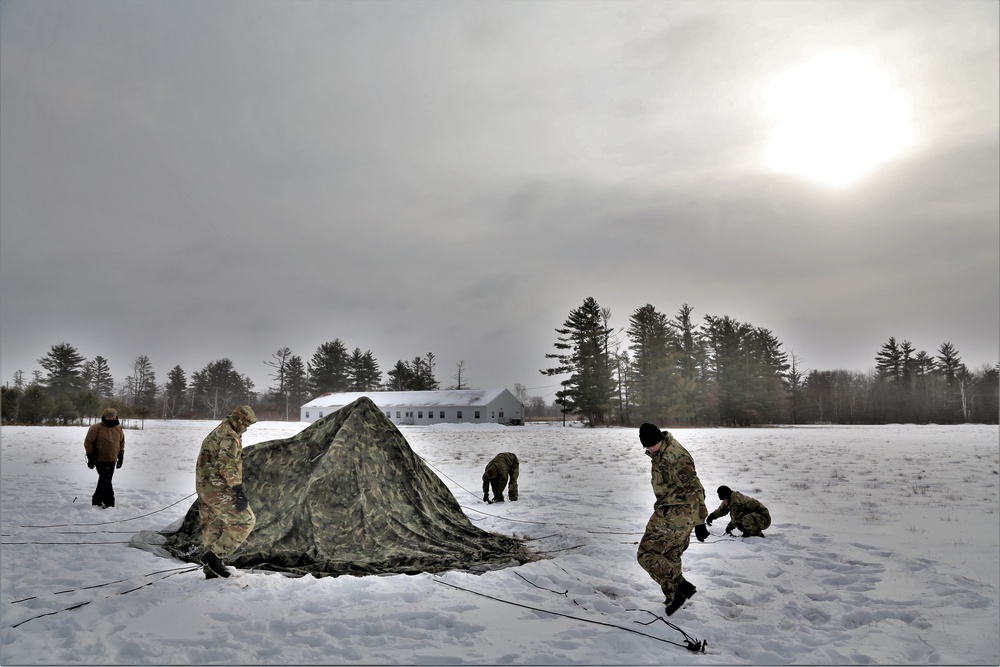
point(214, 563)
point(683, 593)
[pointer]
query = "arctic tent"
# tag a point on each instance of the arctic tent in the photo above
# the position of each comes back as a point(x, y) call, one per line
point(347, 495)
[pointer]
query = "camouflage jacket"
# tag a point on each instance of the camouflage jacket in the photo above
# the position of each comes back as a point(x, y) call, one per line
point(503, 463)
point(220, 462)
point(107, 443)
point(675, 480)
point(738, 506)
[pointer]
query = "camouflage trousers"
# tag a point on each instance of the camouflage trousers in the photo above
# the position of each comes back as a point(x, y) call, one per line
point(753, 524)
point(223, 528)
point(667, 536)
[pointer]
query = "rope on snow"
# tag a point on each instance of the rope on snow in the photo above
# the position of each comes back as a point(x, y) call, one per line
point(691, 644)
point(105, 523)
point(84, 604)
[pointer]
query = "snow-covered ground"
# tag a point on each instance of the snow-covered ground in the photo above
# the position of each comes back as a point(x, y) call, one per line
point(884, 549)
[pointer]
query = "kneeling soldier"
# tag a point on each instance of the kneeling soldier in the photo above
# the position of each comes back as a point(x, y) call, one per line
point(746, 513)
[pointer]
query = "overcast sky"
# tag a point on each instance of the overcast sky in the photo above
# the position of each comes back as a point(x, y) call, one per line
point(198, 180)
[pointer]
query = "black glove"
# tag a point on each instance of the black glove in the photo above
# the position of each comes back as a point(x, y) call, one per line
point(121, 460)
point(701, 532)
point(708, 521)
point(729, 529)
point(241, 498)
point(90, 461)
point(498, 498)
point(486, 497)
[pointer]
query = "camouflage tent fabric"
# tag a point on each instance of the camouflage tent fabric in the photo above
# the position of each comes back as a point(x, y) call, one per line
point(347, 495)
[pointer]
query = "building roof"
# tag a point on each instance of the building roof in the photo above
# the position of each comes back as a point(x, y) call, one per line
point(392, 399)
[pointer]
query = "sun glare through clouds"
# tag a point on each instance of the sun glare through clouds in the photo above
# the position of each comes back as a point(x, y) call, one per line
point(834, 118)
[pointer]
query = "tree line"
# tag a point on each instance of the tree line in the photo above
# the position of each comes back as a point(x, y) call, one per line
point(722, 372)
point(73, 388)
point(669, 371)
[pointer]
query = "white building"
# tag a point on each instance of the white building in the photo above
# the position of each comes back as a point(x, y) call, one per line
point(456, 406)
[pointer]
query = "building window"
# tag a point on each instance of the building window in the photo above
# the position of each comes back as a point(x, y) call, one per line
point(420, 414)
point(397, 414)
point(430, 414)
point(307, 415)
point(501, 413)
point(321, 414)
point(458, 416)
point(442, 414)
point(477, 414)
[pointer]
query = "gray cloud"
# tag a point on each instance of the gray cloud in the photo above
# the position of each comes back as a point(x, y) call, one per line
point(198, 180)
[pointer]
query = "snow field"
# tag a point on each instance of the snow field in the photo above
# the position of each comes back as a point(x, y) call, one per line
point(883, 549)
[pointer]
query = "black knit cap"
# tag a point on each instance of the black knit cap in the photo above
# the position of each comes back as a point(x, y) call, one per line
point(650, 435)
point(725, 492)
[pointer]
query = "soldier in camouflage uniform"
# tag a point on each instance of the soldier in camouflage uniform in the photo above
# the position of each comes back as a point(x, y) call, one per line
point(503, 467)
point(679, 507)
point(226, 517)
point(745, 513)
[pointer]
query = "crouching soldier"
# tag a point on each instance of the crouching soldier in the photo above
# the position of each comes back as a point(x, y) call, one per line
point(226, 517)
point(502, 468)
point(745, 513)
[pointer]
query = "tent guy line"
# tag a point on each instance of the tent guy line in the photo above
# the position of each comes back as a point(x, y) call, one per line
point(105, 523)
point(85, 603)
point(691, 644)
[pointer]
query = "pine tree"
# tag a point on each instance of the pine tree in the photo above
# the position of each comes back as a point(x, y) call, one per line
point(143, 384)
point(363, 373)
point(652, 364)
point(690, 362)
point(401, 377)
point(220, 388)
point(583, 354)
point(297, 383)
point(949, 362)
point(174, 393)
point(415, 375)
point(99, 378)
point(328, 368)
point(65, 370)
point(954, 375)
point(426, 374)
point(796, 382)
point(889, 361)
point(724, 343)
point(766, 367)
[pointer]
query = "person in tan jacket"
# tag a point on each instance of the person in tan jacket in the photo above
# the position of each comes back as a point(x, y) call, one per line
point(105, 449)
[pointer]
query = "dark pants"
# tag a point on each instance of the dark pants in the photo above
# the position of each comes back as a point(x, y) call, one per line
point(105, 493)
